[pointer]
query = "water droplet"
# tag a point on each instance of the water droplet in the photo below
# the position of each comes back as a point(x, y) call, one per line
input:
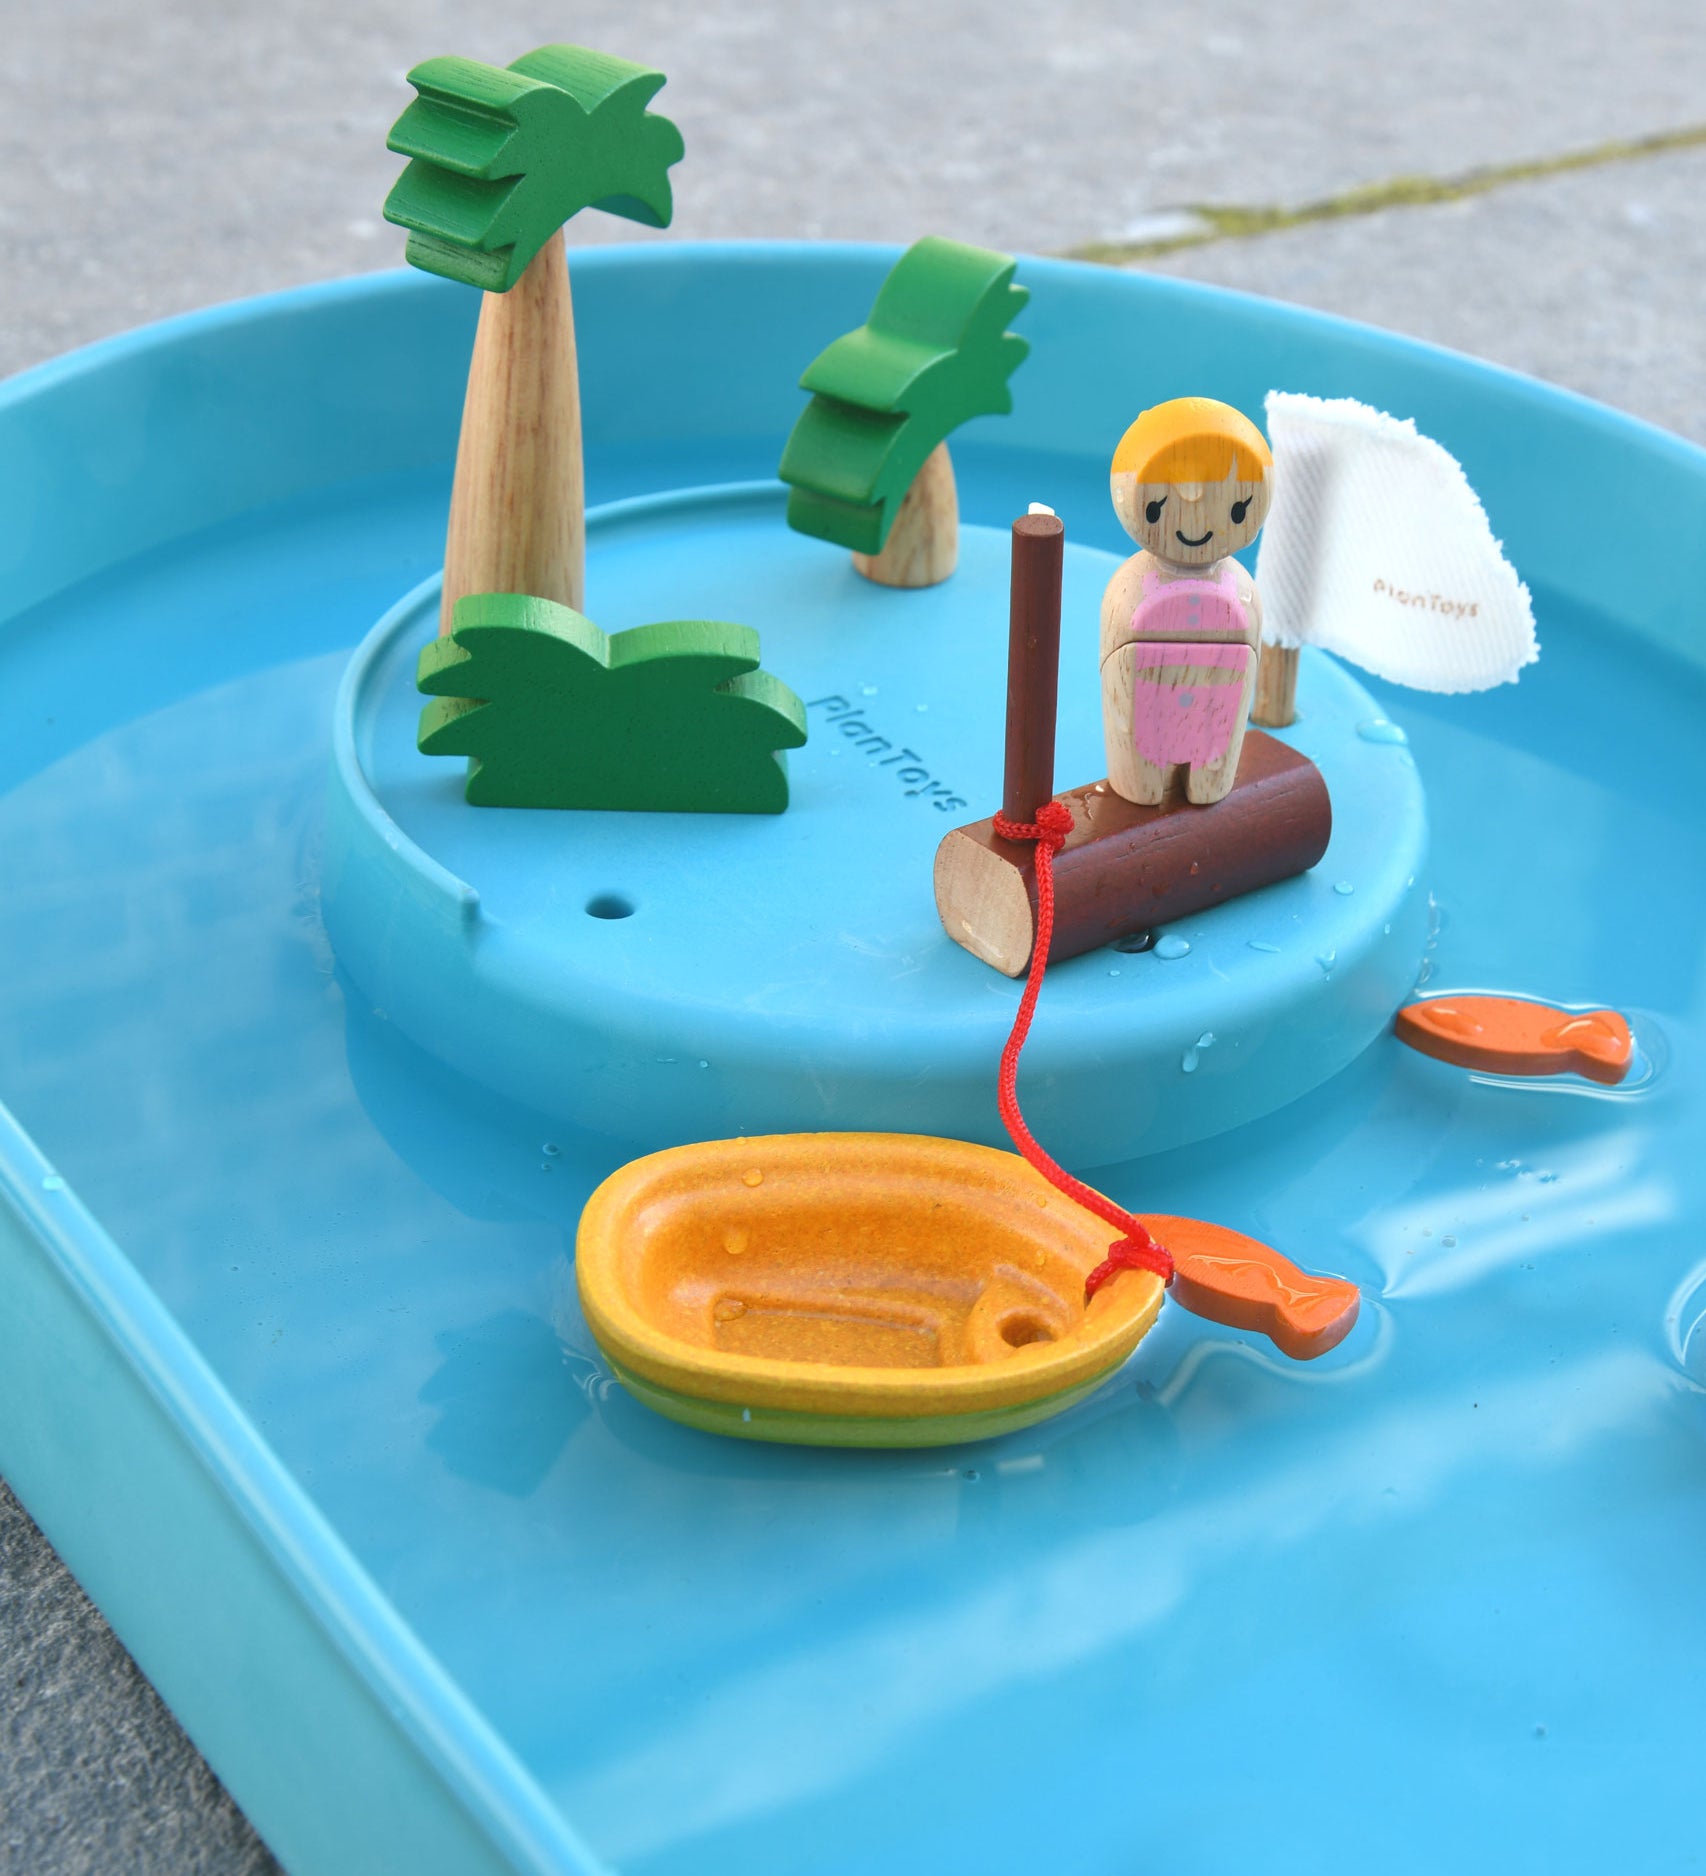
point(867, 690)
point(752, 1177)
point(921, 707)
point(746, 1413)
point(727, 1308)
point(1257, 944)
point(703, 1063)
point(1387, 929)
point(1188, 1061)
point(971, 1473)
point(1206, 1039)
point(735, 1240)
point(1344, 888)
point(1113, 973)
point(52, 1182)
point(1378, 730)
point(1327, 959)
point(546, 1166)
point(551, 1150)
point(1135, 941)
point(1172, 946)
point(1448, 1242)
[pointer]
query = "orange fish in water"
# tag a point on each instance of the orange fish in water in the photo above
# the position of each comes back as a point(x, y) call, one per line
point(1227, 1277)
point(1511, 1036)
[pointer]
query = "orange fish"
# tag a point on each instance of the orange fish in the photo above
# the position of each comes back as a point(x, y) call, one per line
point(1512, 1036)
point(1227, 1277)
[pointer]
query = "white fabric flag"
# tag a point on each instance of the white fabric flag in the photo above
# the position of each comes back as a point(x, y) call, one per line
point(1378, 549)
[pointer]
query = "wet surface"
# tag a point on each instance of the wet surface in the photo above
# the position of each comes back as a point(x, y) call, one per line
point(1456, 1557)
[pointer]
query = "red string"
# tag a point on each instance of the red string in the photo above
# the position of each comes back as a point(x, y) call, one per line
point(1136, 1250)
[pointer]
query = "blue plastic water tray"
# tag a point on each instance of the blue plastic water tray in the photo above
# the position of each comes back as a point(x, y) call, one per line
point(291, 1368)
point(773, 974)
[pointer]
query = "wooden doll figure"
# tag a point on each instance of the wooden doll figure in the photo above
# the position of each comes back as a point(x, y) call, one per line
point(1181, 623)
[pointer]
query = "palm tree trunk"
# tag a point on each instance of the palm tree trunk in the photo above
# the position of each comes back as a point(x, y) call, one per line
point(517, 508)
point(923, 546)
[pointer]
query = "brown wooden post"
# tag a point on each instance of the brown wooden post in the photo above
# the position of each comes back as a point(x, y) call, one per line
point(1033, 664)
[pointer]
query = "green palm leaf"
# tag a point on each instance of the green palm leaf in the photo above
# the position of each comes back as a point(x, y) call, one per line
point(933, 354)
point(501, 158)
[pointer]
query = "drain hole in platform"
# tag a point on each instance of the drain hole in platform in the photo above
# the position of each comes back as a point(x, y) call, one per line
point(610, 905)
point(1021, 1331)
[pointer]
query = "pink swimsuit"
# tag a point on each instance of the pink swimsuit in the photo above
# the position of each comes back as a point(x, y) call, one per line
point(1200, 623)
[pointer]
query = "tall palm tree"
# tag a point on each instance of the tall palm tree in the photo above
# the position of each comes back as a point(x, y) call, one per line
point(500, 159)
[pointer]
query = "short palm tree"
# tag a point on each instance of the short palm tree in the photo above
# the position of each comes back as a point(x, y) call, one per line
point(868, 458)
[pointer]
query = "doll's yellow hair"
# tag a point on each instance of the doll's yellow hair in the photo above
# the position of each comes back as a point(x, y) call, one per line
point(1193, 439)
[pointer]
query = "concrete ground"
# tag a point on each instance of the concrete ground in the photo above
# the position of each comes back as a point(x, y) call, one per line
point(1520, 179)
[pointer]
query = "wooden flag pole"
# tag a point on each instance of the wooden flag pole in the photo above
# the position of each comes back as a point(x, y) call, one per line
point(1275, 706)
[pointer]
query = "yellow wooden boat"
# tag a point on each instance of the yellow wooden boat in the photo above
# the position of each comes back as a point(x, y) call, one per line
point(852, 1289)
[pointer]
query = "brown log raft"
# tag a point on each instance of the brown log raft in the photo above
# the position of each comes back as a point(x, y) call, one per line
point(1124, 868)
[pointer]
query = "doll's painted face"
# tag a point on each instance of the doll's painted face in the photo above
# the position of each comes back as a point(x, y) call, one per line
point(1191, 524)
